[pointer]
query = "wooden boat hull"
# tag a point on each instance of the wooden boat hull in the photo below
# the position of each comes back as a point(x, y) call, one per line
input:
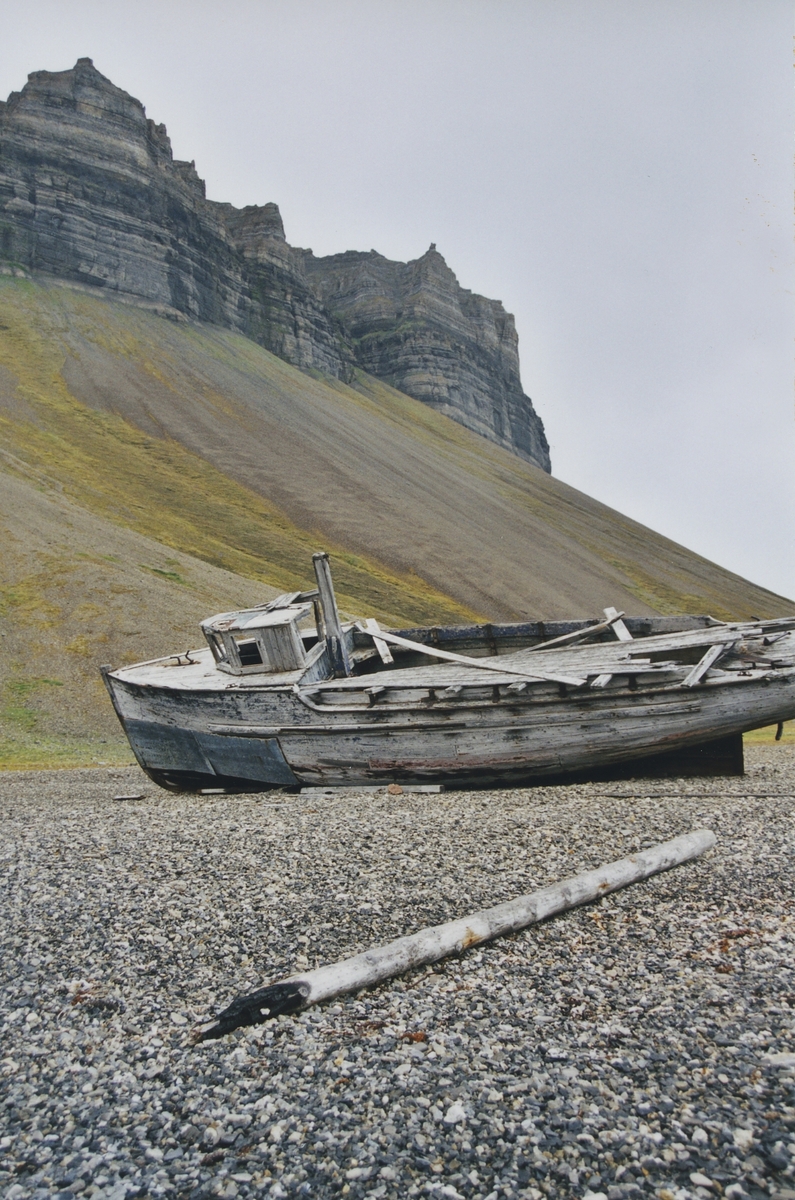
point(268, 737)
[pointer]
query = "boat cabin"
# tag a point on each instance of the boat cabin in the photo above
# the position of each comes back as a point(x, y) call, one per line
point(258, 640)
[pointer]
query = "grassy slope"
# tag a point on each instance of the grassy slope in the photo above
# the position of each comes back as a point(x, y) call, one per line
point(150, 471)
point(77, 590)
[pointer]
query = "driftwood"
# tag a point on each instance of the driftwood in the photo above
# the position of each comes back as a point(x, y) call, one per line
point(429, 945)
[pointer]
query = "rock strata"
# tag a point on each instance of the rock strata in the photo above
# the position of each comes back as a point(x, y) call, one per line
point(413, 325)
point(90, 192)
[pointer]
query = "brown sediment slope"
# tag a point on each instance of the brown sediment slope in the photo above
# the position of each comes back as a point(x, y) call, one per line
point(77, 590)
point(152, 469)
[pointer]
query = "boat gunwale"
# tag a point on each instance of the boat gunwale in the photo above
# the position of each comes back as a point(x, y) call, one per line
point(605, 699)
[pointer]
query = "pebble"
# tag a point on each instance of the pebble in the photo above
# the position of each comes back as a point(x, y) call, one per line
point(641, 1046)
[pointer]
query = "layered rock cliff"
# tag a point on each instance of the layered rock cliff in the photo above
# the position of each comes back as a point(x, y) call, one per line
point(414, 326)
point(90, 192)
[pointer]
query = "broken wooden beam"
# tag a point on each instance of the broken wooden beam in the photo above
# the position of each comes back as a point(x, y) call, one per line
point(483, 664)
point(429, 945)
point(373, 628)
point(708, 660)
point(619, 628)
point(588, 631)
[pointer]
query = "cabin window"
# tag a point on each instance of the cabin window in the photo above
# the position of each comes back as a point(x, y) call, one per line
point(249, 652)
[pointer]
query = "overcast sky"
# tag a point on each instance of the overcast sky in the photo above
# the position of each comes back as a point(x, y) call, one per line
point(617, 172)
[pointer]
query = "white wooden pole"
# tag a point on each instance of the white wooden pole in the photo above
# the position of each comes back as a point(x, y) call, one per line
point(429, 945)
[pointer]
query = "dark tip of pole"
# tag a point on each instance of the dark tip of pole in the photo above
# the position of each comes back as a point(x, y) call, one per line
point(255, 1009)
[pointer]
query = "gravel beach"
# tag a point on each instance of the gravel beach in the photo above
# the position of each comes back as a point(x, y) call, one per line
point(641, 1046)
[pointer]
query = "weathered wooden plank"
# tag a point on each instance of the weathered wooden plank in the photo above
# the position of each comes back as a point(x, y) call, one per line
point(578, 635)
point(609, 652)
point(284, 601)
point(460, 676)
point(438, 941)
point(482, 664)
point(373, 628)
point(619, 628)
point(476, 636)
point(707, 661)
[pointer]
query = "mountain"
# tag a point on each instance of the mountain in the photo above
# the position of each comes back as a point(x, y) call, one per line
point(155, 471)
point(90, 192)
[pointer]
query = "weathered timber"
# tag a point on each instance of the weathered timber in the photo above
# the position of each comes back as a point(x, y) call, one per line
point(509, 637)
point(619, 628)
point(438, 941)
point(580, 635)
point(517, 715)
point(481, 664)
point(480, 674)
point(335, 641)
point(374, 629)
point(710, 659)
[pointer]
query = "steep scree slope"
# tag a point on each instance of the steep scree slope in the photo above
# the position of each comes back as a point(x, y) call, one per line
point(194, 434)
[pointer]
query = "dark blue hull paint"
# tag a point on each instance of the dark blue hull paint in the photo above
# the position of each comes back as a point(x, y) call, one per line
point(173, 755)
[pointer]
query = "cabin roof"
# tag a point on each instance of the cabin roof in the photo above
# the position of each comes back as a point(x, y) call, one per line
point(254, 618)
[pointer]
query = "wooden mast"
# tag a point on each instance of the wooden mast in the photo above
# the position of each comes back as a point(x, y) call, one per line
point(335, 641)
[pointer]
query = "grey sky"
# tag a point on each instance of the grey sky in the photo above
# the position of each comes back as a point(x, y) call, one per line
point(619, 174)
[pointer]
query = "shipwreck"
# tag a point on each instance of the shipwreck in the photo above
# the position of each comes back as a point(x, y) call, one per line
point(289, 695)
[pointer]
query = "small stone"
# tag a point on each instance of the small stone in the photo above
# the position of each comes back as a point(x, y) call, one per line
point(700, 1180)
point(425, 1047)
point(454, 1114)
point(784, 1059)
point(358, 1173)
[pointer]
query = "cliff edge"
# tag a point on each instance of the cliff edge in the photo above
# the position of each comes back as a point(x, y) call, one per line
point(90, 192)
point(413, 325)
